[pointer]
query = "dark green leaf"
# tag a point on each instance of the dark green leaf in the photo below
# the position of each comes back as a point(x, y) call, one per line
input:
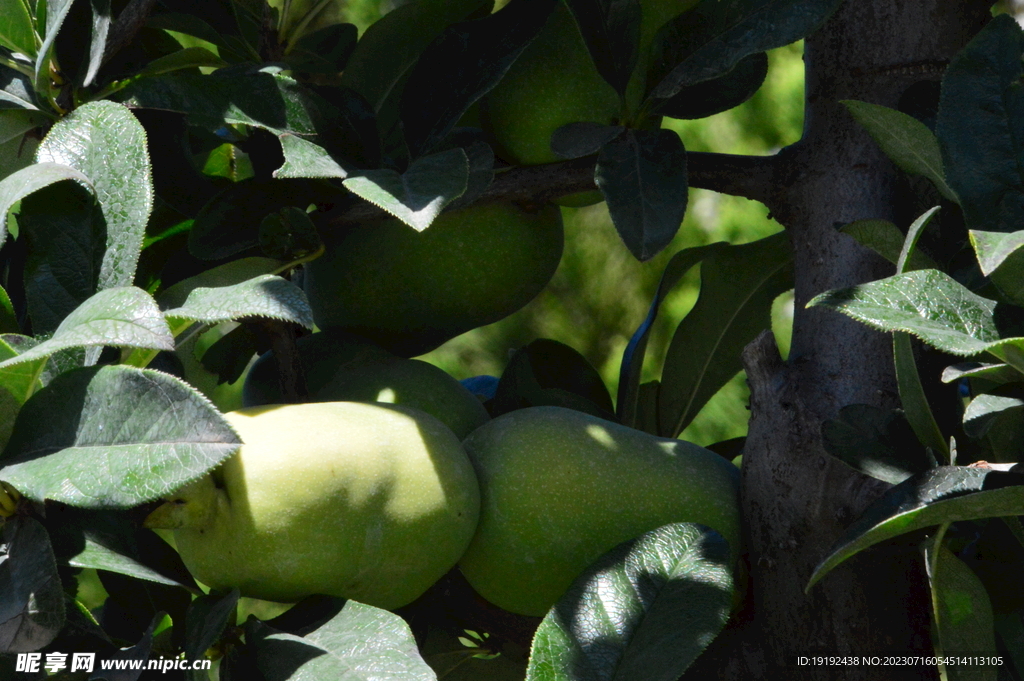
point(109, 540)
point(16, 91)
point(257, 98)
point(325, 51)
point(611, 30)
point(118, 317)
point(17, 32)
point(962, 614)
point(905, 140)
point(709, 40)
point(205, 622)
point(393, 44)
point(66, 238)
point(361, 643)
point(8, 319)
point(576, 140)
point(1000, 422)
point(1001, 258)
point(230, 223)
point(105, 143)
point(148, 432)
point(998, 374)
point(876, 442)
point(28, 180)
point(199, 27)
point(418, 195)
point(15, 123)
point(289, 234)
point(936, 496)
point(642, 175)
point(56, 12)
point(720, 94)
point(481, 174)
point(303, 158)
point(230, 354)
point(643, 611)
point(101, 19)
point(31, 597)
point(188, 58)
point(549, 373)
point(632, 365)
point(462, 65)
point(738, 286)
point(228, 274)
point(886, 239)
point(267, 296)
point(979, 121)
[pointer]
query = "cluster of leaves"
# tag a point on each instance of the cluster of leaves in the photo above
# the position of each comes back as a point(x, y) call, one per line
point(160, 165)
point(958, 477)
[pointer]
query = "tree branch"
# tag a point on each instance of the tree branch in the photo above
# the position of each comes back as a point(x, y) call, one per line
point(753, 177)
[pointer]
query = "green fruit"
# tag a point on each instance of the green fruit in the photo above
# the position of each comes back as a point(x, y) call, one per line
point(362, 501)
point(341, 368)
point(559, 488)
point(410, 291)
point(552, 83)
point(225, 396)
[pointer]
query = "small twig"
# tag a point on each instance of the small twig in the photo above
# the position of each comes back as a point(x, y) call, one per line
point(291, 377)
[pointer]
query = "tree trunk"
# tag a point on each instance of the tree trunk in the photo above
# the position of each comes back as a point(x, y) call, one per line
point(796, 498)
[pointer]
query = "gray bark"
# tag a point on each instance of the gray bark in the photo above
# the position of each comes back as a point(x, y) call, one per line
point(796, 498)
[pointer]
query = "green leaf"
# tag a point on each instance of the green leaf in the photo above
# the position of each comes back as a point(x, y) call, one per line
point(912, 395)
point(8, 319)
point(303, 158)
point(644, 611)
point(462, 65)
point(709, 40)
point(905, 140)
point(264, 296)
point(548, 373)
point(720, 94)
point(19, 379)
point(105, 143)
point(611, 31)
point(936, 496)
point(996, 374)
point(17, 30)
point(1001, 258)
point(31, 596)
point(228, 274)
point(886, 239)
point(15, 123)
point(738, 286)
point(876, 442)
point(188, 58)
point(101, 20)
point(642, 175)
point(260, 99)
point(633, 356)
point(361, 643)
point(576, 140)
point(207, 618)
point(20, 184)
point(66, 238)
point(962, 614)
point(999, 422)
point(980, 115)
point(56, 12)
point(16, 92)
point(390, 46)
point(417, 196)
point(927, 303)
point(148, 432)
point(119, 317)
point(111, 541)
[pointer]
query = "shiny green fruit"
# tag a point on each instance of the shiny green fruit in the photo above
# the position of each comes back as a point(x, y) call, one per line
point(411, 291)
point(559, 488)
point(362, 501)
point(342, 368)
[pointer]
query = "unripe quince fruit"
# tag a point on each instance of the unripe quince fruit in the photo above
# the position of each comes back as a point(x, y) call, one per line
point(369, 502)
point(411, 291)
point(342, 368)
point(559, 488)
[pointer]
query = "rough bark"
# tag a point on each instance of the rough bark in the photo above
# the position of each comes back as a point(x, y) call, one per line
point(796, 499)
